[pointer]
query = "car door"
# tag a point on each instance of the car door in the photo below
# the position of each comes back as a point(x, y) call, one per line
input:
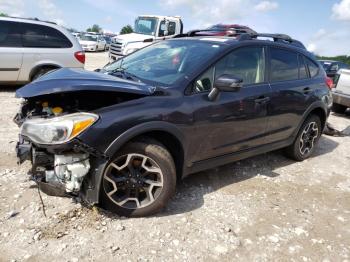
point(11, 51)
point(235, 121)
point(292, 92)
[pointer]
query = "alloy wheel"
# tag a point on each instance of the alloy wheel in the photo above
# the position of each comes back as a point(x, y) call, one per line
point(308, 137)
point(133, 181)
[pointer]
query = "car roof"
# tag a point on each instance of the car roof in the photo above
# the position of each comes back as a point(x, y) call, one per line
point(28, 20)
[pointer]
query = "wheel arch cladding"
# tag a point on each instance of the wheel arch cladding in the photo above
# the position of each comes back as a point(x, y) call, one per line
point(321, 114)
point(166, 133)
point(172, 144)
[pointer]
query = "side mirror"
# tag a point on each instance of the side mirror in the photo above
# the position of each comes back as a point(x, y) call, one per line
point(225, 83)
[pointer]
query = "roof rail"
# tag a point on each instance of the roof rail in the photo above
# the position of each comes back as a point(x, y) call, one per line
point(234, 32)
point(30, 18)
point(283, 38)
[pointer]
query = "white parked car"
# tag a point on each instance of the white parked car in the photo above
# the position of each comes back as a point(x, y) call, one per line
point(90, 42)
point(341, 91)
point(30, 48)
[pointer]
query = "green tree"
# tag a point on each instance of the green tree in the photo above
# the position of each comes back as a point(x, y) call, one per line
point(72, 30)
point(3, 14)
point(95, 28)
point(126, 30)
point(340, 58)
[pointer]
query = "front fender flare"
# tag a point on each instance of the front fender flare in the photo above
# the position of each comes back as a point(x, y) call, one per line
point(92, 194)
point(141, 129)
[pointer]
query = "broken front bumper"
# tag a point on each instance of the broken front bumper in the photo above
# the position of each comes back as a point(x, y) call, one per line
point(68, 170)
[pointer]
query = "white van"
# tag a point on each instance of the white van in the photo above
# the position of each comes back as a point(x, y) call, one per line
point(341, 91)
point(30, 48)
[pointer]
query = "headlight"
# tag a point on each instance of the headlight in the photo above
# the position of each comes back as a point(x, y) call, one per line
point(57, 130)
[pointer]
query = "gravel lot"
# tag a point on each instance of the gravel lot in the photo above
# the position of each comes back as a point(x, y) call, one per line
point(260, 209)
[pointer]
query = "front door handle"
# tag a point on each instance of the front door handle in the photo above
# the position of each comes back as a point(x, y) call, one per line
point(262, 100)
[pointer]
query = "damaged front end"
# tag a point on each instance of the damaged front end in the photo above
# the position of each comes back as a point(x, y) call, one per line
point(51, 120)
point(59, 161)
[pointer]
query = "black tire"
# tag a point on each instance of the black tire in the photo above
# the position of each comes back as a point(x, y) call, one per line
point(157, 152)
point(337, 108)
point(42, 72)
point(295, 150)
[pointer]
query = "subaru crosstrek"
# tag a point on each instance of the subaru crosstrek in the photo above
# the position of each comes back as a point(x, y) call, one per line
point(124, 136)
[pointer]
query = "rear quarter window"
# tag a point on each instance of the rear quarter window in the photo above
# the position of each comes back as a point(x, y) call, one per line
point(312, 66)
point(10, 34)
point(42, 36)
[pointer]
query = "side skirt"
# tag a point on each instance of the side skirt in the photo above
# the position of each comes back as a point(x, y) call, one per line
point(232, 157)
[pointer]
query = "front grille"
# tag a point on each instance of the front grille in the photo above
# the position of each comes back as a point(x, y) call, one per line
point(116, 48)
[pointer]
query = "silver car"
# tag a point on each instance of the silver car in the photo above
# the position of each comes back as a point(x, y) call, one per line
point(93, 43)
point(30, 48)
point(341, 91)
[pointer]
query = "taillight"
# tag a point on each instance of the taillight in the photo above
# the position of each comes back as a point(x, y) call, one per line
point(329, 82)
point(80, 56)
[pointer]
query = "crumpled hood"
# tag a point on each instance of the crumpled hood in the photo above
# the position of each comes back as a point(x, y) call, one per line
point(71, 80)
point(132, 37)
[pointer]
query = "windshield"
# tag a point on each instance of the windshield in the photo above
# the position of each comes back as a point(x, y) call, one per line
point(168, 61)
point(146, 25)
point(89, 38)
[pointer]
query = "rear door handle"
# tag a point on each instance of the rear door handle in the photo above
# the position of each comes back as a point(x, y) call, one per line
point(262, 100)
point(306, 90)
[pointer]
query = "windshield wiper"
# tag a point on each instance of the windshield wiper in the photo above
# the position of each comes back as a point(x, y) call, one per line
point(122, 73)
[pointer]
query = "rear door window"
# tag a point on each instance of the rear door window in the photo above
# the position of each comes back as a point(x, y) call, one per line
point(41, 36)
point(284, 65)
point(10, 34)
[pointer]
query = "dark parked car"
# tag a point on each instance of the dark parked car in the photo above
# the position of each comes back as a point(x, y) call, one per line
point(332, 67)
point(124, 136)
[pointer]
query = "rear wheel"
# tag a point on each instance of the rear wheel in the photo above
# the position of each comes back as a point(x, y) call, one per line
point(140, 180)
point(306, 139)
point(337, 108)
point(42, 72)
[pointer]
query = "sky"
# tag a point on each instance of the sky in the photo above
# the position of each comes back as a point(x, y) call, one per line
point(322, 25)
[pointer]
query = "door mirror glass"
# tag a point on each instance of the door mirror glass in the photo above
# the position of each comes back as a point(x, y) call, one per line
point(228, 83)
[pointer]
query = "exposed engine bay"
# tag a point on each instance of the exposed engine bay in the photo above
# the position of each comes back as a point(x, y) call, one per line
point(70, 102)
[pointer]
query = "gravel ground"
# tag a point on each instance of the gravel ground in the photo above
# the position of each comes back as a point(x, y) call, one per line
point(260, 209)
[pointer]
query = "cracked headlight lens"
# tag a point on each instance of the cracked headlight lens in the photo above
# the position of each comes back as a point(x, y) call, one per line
point(57, 130)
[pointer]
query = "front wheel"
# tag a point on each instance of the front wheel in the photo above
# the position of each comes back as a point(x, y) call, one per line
point(140, 180)
point(305, 142)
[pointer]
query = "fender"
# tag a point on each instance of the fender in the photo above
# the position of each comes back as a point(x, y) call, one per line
point(92, 194)
point(141, 129)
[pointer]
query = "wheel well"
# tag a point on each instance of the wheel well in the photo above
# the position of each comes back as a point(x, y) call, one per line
point(173, 145)
point(38, 68)
point(321, 114)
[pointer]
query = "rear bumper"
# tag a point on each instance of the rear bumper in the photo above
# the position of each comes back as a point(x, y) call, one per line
point(341, 99)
